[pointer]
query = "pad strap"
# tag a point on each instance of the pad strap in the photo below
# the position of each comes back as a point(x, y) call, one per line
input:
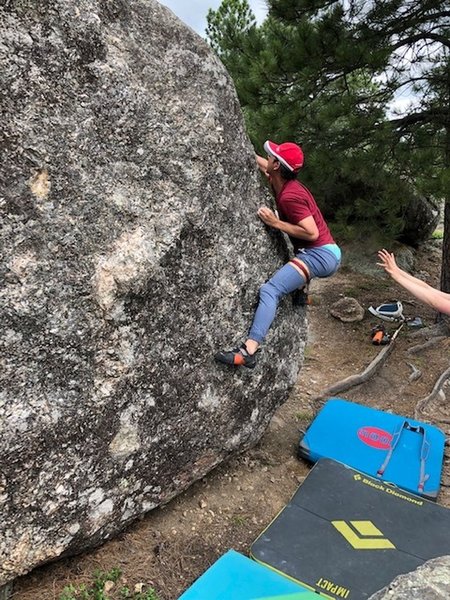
point(424, 451)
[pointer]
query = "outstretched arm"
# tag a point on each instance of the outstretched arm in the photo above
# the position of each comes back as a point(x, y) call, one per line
point(424, 292)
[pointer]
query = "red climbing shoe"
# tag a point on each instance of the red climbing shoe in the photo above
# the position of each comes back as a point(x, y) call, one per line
point(239, 357)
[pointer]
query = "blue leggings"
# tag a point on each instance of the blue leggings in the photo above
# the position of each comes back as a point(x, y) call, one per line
point(321, 262)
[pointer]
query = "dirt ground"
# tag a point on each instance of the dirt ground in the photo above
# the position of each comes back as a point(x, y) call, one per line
point(230, 507)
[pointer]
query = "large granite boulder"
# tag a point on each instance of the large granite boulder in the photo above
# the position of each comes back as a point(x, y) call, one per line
point(431, 581)
point(131, 252)
point(420, 218)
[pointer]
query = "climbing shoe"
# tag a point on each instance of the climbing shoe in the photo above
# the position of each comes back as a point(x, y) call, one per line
point(301, 298)
point(239, 357)
point(390, 311)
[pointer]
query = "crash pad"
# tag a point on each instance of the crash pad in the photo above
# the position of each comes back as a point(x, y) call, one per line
point(347, 535)
point(394, 448)
point(236, 577)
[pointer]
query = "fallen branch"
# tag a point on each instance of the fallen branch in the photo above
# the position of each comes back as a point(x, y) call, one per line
point(354, 380)
point(416, 373)
point(428, 344)
point(435, 391)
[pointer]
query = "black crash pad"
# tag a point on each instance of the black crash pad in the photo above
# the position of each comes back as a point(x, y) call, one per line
point(347, 535)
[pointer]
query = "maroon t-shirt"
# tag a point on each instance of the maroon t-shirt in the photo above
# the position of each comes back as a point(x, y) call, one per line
point(294, 203)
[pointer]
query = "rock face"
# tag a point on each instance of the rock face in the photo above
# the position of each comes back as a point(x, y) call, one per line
point(421, 218)
point(430, 581)
point(131, 252)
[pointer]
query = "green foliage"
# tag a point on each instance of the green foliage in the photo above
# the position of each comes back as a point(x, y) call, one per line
point(324, 73)
point(96, 591)
point(239, 520)
point(226, 26)
point(304, 416)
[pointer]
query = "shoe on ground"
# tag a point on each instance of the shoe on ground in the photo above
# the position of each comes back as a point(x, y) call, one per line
point(300, 298)
point(239, 357)
point(390, 311)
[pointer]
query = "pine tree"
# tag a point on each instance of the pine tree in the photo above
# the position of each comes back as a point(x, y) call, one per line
point(405, 44)
point(325, 73)
point(227, 25)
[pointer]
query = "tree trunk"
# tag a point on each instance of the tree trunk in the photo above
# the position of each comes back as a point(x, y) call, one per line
point(445, 268)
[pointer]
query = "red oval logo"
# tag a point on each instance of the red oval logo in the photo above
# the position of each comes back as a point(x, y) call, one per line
point(377, 438)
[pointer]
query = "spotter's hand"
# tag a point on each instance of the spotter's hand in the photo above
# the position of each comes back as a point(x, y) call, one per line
point(387, 261)
point(268, 216)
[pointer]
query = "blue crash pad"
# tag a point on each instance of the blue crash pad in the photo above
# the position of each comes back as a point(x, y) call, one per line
point(235, 577)
point(396, 449)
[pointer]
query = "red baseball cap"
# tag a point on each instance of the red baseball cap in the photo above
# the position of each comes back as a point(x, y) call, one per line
point(290, 155)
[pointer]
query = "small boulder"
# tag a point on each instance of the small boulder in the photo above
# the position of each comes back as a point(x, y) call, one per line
point(347, 310)
point(430, 581)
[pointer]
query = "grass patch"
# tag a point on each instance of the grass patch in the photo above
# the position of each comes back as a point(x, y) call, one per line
point(104, 587)
point(307, 352)
point(304, 416)
point(239, 520)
